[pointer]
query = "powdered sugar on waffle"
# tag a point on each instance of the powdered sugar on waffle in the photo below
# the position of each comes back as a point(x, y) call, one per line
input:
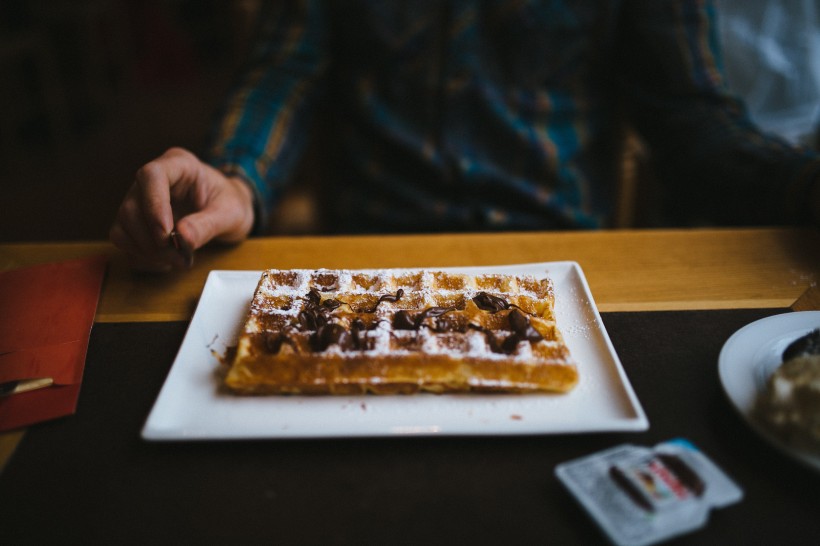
point(284, 292)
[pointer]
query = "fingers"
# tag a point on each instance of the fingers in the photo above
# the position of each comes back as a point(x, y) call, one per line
point(164, 259)
point(183, 247)
point(145, 219)
point(129, 230)
point(152, 201)
point(176, 205)
point(226, 214)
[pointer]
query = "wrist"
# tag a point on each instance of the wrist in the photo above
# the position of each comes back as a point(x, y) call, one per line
point(246, 199)
point(237, 176)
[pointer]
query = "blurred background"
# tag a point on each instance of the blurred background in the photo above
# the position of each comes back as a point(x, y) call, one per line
point(92, 89)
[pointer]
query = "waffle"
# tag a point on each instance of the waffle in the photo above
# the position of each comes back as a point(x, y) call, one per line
point(399, 332)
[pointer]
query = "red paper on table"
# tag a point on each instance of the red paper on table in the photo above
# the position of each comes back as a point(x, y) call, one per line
point(46, 314)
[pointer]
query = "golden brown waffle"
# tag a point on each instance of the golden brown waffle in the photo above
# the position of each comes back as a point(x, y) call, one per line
point(388, 332)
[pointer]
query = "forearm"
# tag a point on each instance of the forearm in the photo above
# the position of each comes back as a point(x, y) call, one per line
point(263, 130)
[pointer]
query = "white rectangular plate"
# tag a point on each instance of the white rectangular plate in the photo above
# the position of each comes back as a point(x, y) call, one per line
point(191, 406)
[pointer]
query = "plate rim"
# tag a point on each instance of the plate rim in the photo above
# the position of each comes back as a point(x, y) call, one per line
point(618, 423)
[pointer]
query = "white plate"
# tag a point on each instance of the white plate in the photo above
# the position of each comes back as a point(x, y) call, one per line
point(190, 405)
point(751, 355)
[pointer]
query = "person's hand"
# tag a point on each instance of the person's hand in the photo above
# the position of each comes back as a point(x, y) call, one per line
point(176, 205)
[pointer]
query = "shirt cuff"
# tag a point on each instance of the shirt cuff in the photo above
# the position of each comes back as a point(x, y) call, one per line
point(260, 211)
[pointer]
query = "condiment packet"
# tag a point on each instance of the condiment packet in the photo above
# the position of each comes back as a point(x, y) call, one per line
point(640, 495)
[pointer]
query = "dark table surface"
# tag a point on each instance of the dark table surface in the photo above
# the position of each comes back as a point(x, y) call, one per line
point(90, 478)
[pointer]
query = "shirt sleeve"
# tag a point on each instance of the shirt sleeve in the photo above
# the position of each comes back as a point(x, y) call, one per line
point(712, 161)
point(262, 130)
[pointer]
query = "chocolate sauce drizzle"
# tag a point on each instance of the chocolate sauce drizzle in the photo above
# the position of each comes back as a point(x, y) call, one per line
point(520, 324)
point(521, 330)
point(274, 342)
point(316, 316)
point(490, 303)
point(493, 304)
point(404, 320)
point(316, 313)
point(387, 297)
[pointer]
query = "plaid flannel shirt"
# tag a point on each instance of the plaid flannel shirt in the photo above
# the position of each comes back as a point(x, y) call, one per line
point(473, 115)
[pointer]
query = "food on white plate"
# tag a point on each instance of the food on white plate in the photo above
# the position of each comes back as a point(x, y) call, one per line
point(400, 332)
point(790, 405)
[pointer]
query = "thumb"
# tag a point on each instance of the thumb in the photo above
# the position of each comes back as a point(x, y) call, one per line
point(197, 228)
point(227, 215)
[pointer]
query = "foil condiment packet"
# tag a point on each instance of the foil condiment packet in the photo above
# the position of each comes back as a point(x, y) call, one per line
point(641, 495)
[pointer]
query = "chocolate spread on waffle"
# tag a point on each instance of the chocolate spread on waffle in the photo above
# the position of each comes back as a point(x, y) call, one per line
point(385, 332)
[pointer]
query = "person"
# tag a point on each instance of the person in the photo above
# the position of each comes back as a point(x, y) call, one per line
point(452, 115)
